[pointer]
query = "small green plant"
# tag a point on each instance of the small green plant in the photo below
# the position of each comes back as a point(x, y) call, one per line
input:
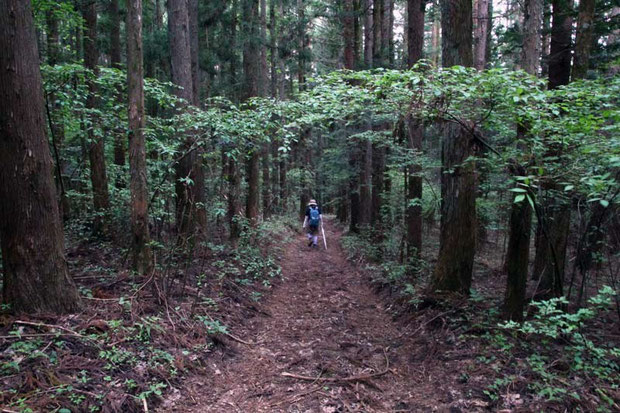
point(213, 326)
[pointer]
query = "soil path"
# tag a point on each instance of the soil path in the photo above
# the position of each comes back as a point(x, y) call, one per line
point(322, 321)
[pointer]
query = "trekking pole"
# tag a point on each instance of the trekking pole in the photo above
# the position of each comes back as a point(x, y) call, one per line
point(324, 240)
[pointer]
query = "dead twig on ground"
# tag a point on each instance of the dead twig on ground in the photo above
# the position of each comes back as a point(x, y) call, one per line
point(50, 326)
point(361, 377)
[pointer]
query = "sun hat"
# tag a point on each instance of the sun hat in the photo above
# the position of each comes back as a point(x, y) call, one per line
point(312, 202)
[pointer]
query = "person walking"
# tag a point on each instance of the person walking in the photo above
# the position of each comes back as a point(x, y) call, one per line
point(312, 220)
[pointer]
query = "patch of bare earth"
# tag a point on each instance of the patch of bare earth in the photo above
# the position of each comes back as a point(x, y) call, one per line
point(323, 343)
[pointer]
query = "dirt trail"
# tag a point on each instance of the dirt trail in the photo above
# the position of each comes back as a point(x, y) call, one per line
point(323, 321)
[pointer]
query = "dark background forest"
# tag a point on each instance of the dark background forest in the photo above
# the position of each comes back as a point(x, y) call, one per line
point(157, 158)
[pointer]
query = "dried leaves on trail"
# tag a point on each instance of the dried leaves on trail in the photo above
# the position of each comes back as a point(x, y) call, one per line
point(327, 345)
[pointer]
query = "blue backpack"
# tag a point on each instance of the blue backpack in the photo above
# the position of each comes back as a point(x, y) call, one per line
point(314, 217)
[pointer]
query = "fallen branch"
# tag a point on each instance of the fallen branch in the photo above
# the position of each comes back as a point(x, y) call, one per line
point(247, 343)
point(50, 326)
point(361, 377)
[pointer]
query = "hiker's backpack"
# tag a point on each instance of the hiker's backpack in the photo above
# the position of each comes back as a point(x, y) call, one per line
point(314, 217)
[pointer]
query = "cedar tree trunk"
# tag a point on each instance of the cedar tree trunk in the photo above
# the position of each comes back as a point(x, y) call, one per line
point(35, 271)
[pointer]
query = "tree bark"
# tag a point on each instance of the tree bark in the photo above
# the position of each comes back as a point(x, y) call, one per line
point(56, 127)
point(348, 33)
point(234, 183)
point(273, 54)
point(264, 72)
point(190, 201)
point(96, 154)
point(583, 42)
point(365, 184)
point(266, 164)
point(457, 241)
point(35, 270)
point(194, 50)
point(137, 147)
point(415, 134)
point(378, 171)
point(387, 33)
point(413, 211)
point(532, 35)
point(517, 259)
point(354, 187)
point(368, 33)
point(517, 256)
point(377, 43)
point(251, 73)
point(415, 30)
point(561, 32)
point(435, 37)
point(115, 62)
point(480, 37)
point(301, 50)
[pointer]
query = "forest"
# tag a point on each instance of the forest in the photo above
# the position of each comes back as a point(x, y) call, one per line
point(160, 161)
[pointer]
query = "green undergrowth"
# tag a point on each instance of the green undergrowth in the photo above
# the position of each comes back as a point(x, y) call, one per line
point(137, 337)
point(559, 359)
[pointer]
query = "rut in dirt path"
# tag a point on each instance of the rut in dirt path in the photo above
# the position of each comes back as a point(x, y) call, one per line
point(325, 322)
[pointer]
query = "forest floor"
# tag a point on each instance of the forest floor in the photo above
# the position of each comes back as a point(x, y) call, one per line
point(274, 326)
point(324, 341)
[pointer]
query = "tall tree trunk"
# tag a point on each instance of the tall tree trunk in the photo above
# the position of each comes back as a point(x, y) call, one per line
point(96, 154)
point(283, 192)
point(435, 37)
point(387, 33)
point(357, 31)
point(301, 50)
point(264, 72)
point(35, 270)
point(517, 257)
point(378, 172)
point(415, 133)
point(413, 211)
point(546, 39)
point(354, 187)
point(266, 164)
point(194, 50)
point(348, 33)
point(115, 62)
point(457, 241)
point(159, 14)
point(137, 147)
point(56, 127)
point(273, 51)
point(251, 74)
point(561, 32)
point(368, 33)
point(377, 42)
point(234, 184)
point(583, 42)
point(190, 200)
point(415, 30)
point(554, 221)
point(480, 36)
point(532, 35)
point(232, 51)
point(275, 177)
point(365, 184)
